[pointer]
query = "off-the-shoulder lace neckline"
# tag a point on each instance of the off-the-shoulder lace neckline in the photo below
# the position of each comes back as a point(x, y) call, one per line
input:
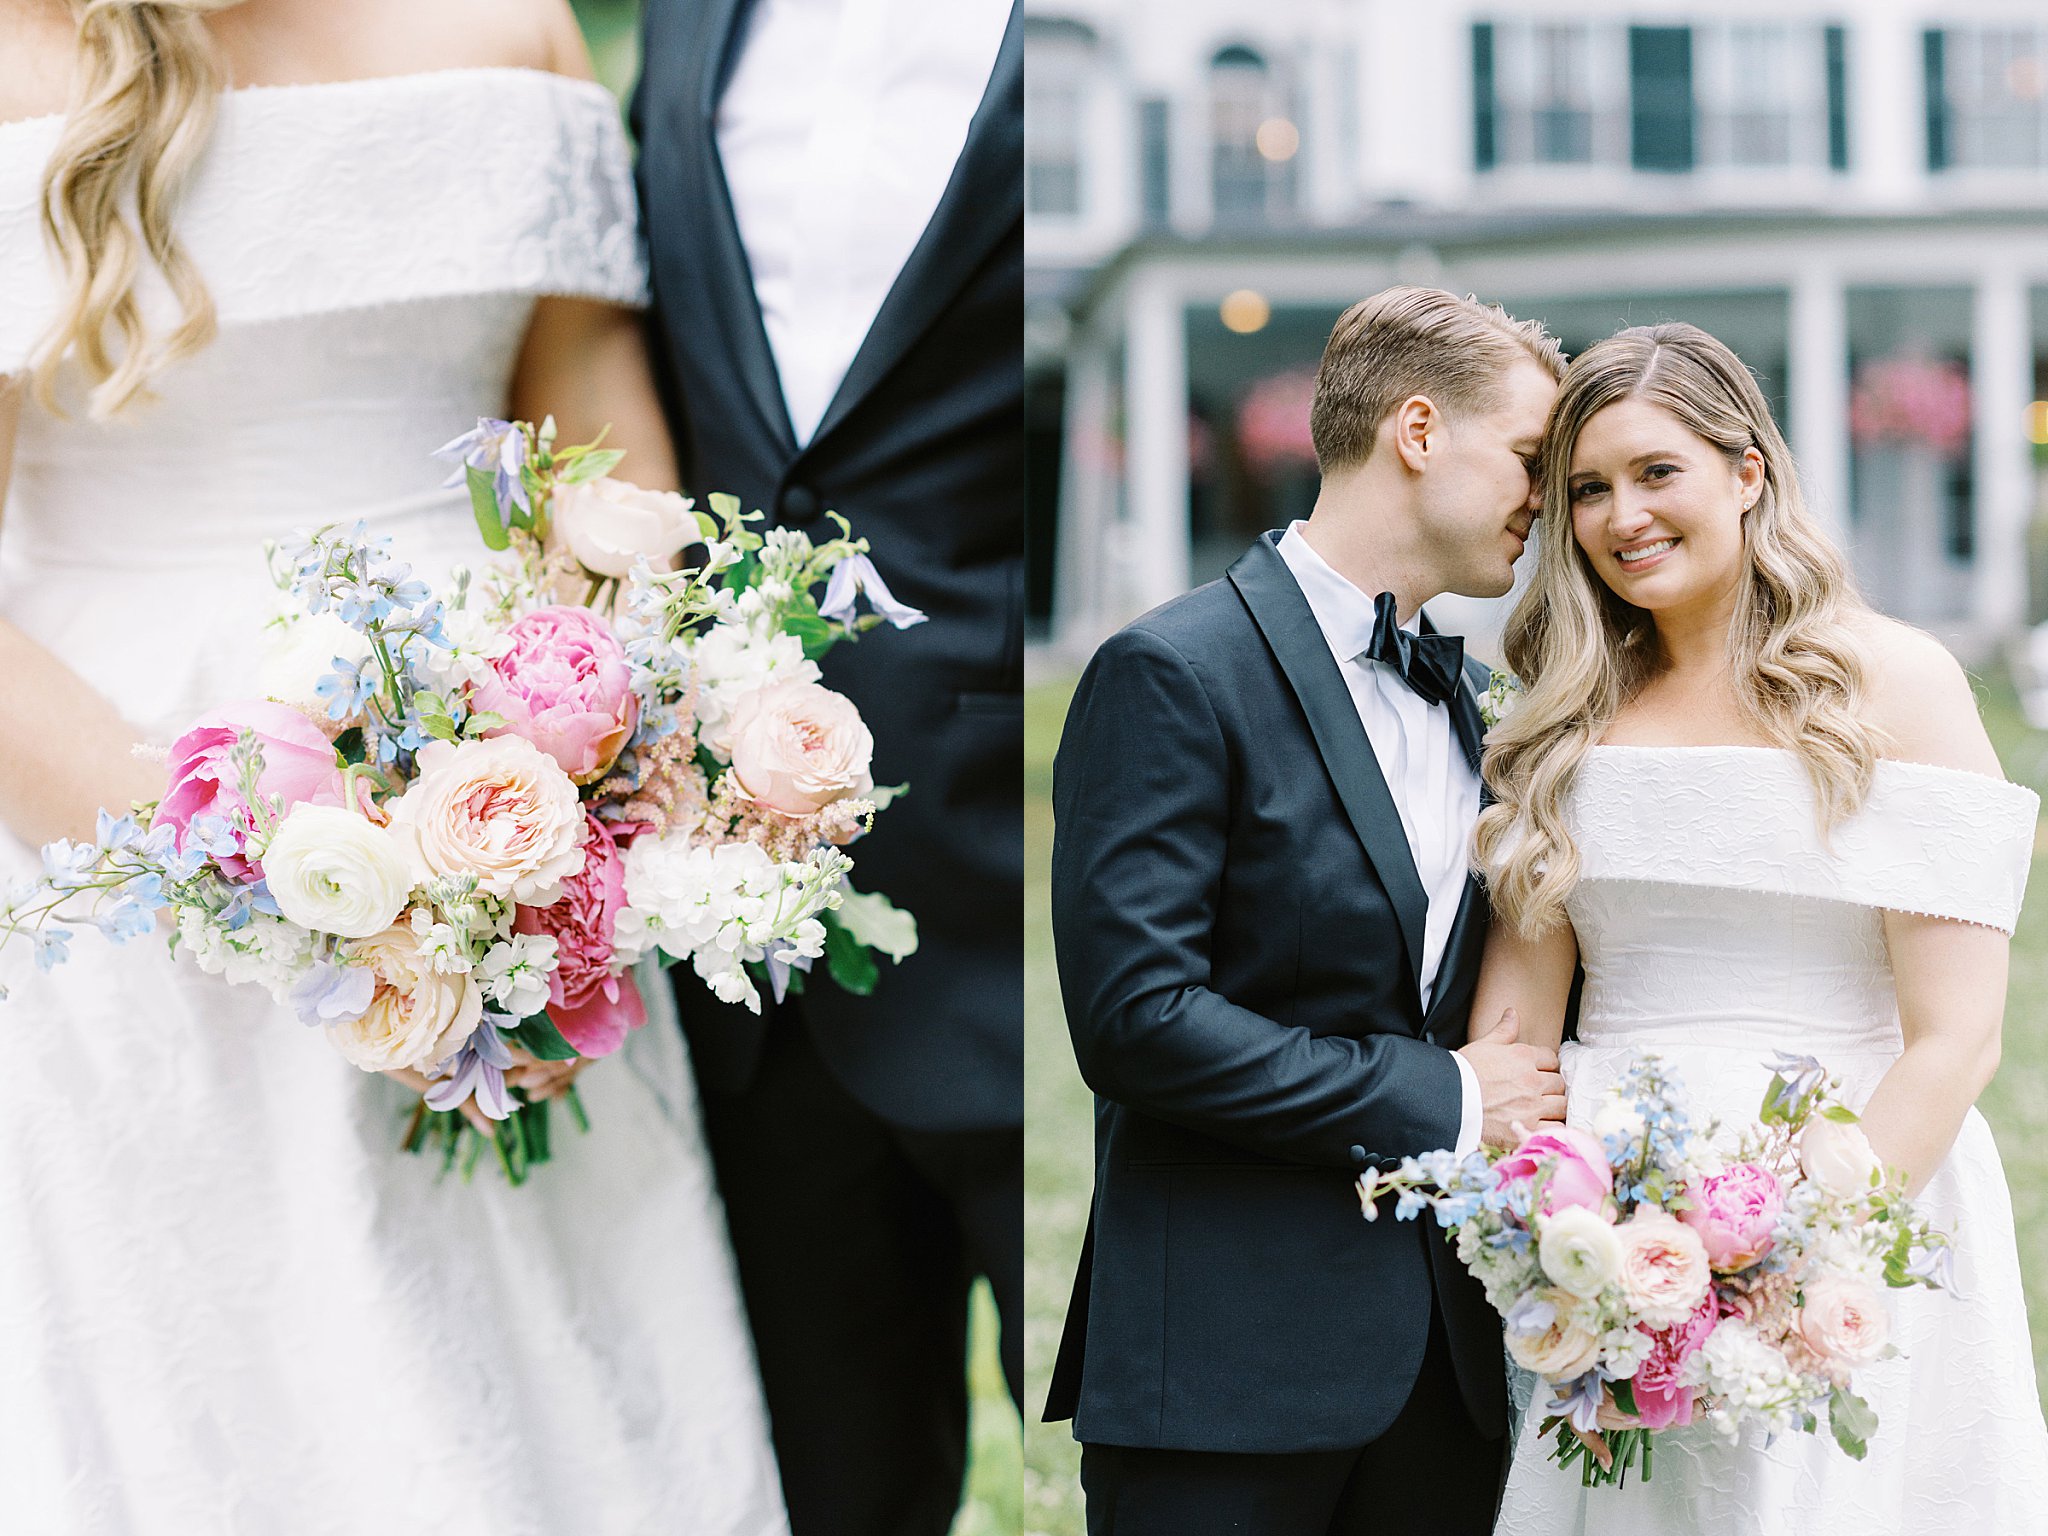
point(359, 82)
point(1731, 746)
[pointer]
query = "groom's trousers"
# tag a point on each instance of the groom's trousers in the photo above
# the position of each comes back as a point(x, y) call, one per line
point(858, 1242)
point(1430, 1474)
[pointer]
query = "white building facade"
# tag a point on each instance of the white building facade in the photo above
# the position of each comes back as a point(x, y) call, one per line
point(1854, 197)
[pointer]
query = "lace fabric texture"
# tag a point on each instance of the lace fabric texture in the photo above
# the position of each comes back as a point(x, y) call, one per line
point(228, 1304)
point(1715, 930)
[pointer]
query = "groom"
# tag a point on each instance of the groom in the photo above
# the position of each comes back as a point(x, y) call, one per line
point(833, 201)
point(1267, 942)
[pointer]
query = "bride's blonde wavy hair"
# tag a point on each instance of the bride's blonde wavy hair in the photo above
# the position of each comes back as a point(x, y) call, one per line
point(145, 90)
point(1582, 653)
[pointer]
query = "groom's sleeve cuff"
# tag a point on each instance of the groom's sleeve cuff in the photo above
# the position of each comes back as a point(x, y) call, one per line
point(1473, 1117)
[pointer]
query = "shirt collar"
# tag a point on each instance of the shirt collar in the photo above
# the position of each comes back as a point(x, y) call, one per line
point(1342, 612)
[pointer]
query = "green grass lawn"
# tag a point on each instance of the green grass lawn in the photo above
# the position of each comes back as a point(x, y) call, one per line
point(1059, 1150)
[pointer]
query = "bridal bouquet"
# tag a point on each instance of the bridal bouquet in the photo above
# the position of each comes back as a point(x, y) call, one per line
point(459, 818)
point(1648, 1279)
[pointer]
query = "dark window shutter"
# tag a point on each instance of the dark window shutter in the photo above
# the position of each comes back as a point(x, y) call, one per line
point(1934, 51)
point(1838, 98)
point(1660, 98)
point(1155, 163)
point(1485, 106)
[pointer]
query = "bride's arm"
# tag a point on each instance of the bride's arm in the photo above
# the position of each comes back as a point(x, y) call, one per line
point(1532, 978)
point(64, 750)
point(584, 362)
point(1950, 975)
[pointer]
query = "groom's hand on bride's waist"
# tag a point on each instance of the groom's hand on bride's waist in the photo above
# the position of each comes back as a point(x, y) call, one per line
point(1520, 1087)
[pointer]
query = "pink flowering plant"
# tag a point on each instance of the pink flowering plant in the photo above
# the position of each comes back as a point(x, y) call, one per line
point(458, 819)
point(1654, 1276)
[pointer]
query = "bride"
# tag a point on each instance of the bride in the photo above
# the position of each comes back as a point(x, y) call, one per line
point(1763, 818)
point(227, 1303)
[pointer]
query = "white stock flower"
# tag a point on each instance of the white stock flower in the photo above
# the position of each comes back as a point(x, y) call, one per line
point(333, 871)
point(265, 950)
point(440, 945)
point(515, 974)
point(1579, 1251)
point(724, 907)
point(728, 663)
point(1837, 1157)
point(473, 644)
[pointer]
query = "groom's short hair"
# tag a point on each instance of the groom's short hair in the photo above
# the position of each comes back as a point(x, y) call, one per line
point(1403, 342)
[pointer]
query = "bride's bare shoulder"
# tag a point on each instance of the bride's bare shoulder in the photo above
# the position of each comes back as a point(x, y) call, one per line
point(466, 34)
point(1920, 697)
point(36, 44)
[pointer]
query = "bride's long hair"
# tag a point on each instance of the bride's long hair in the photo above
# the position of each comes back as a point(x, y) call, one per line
point(1581, 652)
point(144, 93)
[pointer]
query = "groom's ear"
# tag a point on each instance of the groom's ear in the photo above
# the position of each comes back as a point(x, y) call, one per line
point(1416, 427)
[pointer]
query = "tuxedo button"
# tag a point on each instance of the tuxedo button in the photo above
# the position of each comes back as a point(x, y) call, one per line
point(799, 504)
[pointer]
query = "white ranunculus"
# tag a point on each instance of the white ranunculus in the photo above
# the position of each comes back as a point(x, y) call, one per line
point(1618, 1117)
point(610, 524)
point(303, 649)
point(332, 871)
point(1579, 1250)
point(1838, 1157)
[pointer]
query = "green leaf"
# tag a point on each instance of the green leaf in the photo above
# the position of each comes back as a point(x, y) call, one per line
point(724, 505)
point(816, 634)
point(593, 465)
point(740, 575)
point(440, 727)
point(851, 964)
point(483, 501)
point(1841, 1114)
point(1853, 1420)
point(1624, 1395)
point(886, 795)
point(483, 720)
point(538, 1037)
point(878, 923)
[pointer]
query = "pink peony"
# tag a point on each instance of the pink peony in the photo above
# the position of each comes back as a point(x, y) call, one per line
point(1660, 1400)
point(1734, 1212)
point(564, 684)
point(1579, 1172)
point(590, 1004)
point(299, 766)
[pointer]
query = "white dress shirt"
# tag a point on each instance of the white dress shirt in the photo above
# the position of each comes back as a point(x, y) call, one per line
point(1434, 788)
point(838, 133)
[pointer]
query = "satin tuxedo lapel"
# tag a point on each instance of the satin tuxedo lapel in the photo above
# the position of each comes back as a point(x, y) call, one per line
point(983, 200)
point(717, 44)
point(1468, 929)
point(1283, 616)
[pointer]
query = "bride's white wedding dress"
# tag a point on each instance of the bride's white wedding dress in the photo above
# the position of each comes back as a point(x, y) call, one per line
point(1716, 930)
point(228, 1304)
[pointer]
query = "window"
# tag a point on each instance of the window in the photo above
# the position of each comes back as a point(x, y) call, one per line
point(1253, 139)
point(1985, 98)
point(1561, 106)
point(1155, 162)
point(1660, 98)
point(1058, 60)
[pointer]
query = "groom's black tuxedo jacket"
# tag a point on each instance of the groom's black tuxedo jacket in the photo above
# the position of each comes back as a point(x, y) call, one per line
point(922, 449)
point(1239, 928)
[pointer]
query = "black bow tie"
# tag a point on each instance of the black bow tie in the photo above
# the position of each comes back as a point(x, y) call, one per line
point(1430, 664)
